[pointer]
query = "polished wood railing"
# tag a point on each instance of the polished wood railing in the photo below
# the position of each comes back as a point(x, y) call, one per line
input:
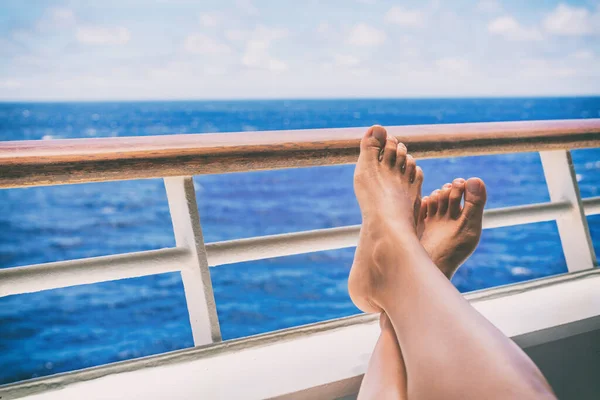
point(34, 163)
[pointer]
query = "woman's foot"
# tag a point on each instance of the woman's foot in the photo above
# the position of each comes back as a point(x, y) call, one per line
point(451, 232)
point(387, 183)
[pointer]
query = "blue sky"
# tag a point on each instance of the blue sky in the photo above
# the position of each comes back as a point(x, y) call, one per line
point(184, 49)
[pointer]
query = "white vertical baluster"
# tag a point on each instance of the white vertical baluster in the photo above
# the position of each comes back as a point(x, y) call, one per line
point(572, 227)
point(195, 275)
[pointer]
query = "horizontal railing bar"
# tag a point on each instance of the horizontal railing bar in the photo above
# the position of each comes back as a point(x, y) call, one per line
point(60, 274)
point(35, 278)
point(591, 205)
point(286, 244)
point(525, 214)
point(53, 162)
point(257, 248)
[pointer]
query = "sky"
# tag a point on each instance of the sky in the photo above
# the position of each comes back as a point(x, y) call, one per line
point(245, 49)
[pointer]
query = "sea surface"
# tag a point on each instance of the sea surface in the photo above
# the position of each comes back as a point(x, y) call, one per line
point(66, 329)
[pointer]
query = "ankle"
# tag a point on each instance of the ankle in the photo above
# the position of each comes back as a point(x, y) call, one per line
point(448, 267)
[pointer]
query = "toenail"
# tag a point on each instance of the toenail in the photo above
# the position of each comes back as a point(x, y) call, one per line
point(379, 133)
point(392, 139)
point(447, 185)
point(473, 186)
point(458, 182)
point(419, 174)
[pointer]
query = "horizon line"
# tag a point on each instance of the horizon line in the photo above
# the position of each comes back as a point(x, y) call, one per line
point(149, 100)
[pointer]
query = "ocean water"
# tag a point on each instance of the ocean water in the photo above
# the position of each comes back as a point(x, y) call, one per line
point(66, 329)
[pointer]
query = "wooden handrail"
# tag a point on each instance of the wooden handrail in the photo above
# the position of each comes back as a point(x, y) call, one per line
point(36, 162)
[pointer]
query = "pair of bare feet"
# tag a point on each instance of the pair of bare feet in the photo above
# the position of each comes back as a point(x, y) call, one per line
point(433, 343)
point(388, 183)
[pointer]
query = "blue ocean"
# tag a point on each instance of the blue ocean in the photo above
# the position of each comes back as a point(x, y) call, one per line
point(72, 328)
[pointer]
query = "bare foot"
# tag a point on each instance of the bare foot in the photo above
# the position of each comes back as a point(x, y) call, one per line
point(387, 183)
point(451, 232)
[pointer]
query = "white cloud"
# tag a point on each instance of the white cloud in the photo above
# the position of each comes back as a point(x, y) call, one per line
point(257, 51)
point(542, 68)
point(583, 55)
point(237, 59)
point(454, 65)
point(345, 60)
point(102, 35)
point(30, 61)
point(63, 15)
point(268, 33)
point(510, 29)
point(366, 36)
point(256, 56)
point(56, 18)
point(403, 17)
point(210, 20)
point(236, 35)
point(200, 43)
point(489, 6)
point(247, 7)
point(570, 21)
point(181, 70)
point(10, 84)
point(21, 35)
point(324, 28)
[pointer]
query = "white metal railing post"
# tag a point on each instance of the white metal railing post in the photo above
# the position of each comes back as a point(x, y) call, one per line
point(572, 226)
point(195, 275)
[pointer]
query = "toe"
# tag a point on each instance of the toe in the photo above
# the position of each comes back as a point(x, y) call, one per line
point(475, 197)
point(401, 153)
point(417, 209)
point(418, 181)
point(373, 143)
point(432, 203)
point(456, 193)
point(411, 168)
point(422, 216)
point(389, 151)
point(443, 199)
point(423, 212)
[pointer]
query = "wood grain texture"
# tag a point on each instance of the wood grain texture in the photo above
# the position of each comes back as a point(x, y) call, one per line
point(53, 162)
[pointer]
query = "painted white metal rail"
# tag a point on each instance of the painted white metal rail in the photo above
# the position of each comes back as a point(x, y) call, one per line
point(60, 274)
point(194, 274)
point(572, 226)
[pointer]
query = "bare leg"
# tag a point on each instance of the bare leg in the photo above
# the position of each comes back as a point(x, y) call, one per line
point(449, 349)
point(386, 374)
point(449, 240)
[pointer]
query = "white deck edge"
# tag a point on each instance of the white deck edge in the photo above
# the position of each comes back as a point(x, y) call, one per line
point(293, 360)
